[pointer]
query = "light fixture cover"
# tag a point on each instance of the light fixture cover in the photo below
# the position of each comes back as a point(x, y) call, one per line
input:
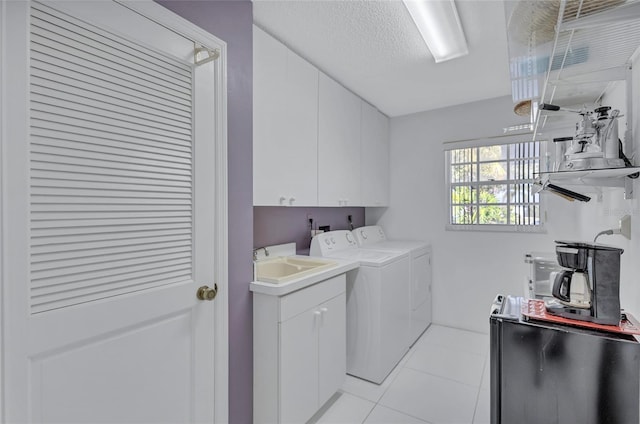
point(439, 25)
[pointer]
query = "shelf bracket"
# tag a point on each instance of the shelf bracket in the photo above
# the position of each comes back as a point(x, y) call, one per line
point(628, 188)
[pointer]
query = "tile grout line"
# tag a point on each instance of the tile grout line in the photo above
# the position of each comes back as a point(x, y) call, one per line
point(485, 366)
point(403, 364)
point(475, 409)
point(446, 378)
point(461, 349)
point(385, 389)
point(375, 405)
point(483, 356)
point(403, 413)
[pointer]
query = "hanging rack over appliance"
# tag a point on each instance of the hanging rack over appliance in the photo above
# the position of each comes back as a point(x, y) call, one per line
point(569, 53)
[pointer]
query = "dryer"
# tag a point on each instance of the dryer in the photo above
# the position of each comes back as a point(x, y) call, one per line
point(373, 237)
point(378, 304)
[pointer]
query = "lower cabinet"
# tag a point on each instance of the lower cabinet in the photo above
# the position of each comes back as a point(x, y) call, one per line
point(299, 351)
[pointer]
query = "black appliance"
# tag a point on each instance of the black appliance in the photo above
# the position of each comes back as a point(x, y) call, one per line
point(599, 269)
point(547, 373)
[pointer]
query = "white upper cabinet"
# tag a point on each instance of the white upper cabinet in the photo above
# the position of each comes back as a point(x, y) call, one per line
point(315, 143)
point(338, 145)
point(285, 125)
point(374, 150)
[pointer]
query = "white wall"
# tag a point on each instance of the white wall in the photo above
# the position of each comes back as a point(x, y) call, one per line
point(469, 267)
point(598, 216)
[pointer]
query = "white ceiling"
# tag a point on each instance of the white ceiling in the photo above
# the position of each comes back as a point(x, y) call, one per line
point(373, 48)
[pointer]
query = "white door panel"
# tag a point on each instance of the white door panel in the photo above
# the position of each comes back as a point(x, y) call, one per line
point(61, 328)
point(100, 202)
point(94, 382)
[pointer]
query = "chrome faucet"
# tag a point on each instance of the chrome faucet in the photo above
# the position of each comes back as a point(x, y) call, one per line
point(255, 252)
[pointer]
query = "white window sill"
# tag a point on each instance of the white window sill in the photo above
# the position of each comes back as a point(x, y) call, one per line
point(534, 229)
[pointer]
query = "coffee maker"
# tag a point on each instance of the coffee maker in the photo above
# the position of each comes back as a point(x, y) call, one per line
point(589, 289)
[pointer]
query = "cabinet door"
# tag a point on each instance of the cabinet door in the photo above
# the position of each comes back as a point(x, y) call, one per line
point(332, 347)
point(374, 149)
point(299, 156)
point(299, 367)
point(269, 70)
point(338, 145)
point(285, 140)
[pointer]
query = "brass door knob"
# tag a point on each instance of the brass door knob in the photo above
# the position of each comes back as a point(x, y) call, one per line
point(206, 293)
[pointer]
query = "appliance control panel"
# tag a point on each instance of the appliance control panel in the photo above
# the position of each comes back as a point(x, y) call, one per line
point(369, 235)
point(324, 244)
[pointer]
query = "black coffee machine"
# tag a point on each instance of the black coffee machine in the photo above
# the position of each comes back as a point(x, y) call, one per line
point(596, 268)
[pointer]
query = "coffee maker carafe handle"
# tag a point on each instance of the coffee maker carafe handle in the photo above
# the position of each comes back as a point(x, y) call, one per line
point(562, 286)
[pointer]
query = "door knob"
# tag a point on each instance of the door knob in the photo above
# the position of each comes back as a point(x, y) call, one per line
point(206, 293)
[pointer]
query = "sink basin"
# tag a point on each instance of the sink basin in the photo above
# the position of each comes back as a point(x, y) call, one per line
point(283, 269)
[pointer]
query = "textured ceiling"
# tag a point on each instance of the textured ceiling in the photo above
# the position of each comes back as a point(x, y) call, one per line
point(374, 49)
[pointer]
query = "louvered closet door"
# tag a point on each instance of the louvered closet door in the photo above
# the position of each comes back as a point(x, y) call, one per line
point(106, 324)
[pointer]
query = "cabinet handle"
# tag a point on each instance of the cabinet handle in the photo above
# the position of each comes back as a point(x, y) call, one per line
point(320, 315)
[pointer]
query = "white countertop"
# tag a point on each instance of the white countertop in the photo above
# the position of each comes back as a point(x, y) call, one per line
point(280, 289)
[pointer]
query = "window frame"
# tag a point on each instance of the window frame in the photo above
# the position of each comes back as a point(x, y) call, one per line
point(509, 181)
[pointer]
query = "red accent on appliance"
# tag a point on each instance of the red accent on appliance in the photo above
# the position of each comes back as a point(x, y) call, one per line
point(535, 309)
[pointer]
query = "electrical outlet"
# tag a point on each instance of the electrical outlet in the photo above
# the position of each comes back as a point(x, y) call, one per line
point(625, 226)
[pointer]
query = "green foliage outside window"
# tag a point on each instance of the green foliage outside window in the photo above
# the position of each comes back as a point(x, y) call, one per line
point(484, 188)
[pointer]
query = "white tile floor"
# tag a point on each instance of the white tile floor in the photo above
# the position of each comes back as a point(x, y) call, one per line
point(442, 379)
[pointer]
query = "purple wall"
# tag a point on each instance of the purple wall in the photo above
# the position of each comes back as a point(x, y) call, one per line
point(277, 225)
point(231, 21)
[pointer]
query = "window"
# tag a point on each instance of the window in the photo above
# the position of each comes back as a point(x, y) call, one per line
point(491, 185)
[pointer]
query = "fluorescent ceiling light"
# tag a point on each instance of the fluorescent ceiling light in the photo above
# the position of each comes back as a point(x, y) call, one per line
point(439, 25)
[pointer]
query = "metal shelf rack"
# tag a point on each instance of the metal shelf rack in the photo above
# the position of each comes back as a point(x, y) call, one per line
point(569, 53)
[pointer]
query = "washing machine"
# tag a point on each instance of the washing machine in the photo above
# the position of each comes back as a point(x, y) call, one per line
point(373, 237)
point(378, 304)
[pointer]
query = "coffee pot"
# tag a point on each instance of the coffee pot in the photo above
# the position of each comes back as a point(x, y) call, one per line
point(589, 288)
point(571, 288)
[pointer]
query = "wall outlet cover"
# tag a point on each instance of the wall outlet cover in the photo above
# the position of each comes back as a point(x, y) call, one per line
point(625, 226)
